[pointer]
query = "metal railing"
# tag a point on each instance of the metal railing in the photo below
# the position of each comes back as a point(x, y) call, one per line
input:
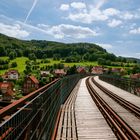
point(36, 120)
point(130, 85)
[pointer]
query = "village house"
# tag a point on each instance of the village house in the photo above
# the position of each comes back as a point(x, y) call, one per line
point(6, 90)
point(45, 73)
point(30, 84)
point(105, 70)
point(97, 70)
point(59, 73)
point(11, 75)
point(116, 70)
point(81, 70)
point(135, 76)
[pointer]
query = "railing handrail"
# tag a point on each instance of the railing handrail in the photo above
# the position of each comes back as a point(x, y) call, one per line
point(125, 83)
point(8, 109)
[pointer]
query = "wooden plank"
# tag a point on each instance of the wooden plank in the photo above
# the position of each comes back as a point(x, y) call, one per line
point(73, 125)
point(60, 125)
point(89, 120)
point(67, 124)
point(64, 125)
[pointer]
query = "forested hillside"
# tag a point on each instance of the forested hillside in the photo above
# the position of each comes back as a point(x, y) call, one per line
point(47, 49)
point(41, 49)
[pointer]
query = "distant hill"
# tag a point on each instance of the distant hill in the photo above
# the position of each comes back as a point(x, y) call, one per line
point(133, 59)
point(73, 52)
point(6, 41)
point(50, 47)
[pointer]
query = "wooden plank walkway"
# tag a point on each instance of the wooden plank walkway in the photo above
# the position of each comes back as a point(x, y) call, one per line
point(122, 93)
point(90, 122)
point(67, 123)
point(80, 118)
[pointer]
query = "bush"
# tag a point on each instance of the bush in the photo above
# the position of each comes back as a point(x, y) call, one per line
point(13, 65)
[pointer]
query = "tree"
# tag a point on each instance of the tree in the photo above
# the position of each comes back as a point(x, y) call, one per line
point(86, 56)
point(56, 56)
point(2, 51)
point(32, 56)
point(68, 60)
point(1, 79)
point(19, 53)
point(60, 66)
point(136, 69)
point(12, 55)
point(13, 65)
point(3, 62)
point(101, 61)
point(27, 69)
point(43, 81)
point(72, 70)
point(44, 56)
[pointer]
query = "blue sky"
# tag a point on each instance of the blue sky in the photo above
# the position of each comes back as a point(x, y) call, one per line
point(113, 24)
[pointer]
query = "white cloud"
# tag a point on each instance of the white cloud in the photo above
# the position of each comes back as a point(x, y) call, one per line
point(92, 15)
point(114, 23)
point(86, 13)
point(13, 30)
point(127, 16)
point(89, 13)
point(65, 30)
point(78, 5)
point(80, 17)
point(64, 7)
point(135, 31)
point(111, 12)
point(105, 46)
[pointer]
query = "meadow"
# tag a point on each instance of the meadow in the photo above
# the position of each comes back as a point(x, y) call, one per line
point(21, 63)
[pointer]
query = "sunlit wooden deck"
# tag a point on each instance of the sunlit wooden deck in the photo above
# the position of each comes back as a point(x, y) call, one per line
point(89, 122)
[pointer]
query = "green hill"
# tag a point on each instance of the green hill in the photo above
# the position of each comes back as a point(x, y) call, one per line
point(42, 49)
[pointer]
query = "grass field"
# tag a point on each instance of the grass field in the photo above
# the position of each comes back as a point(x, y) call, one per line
point(52, 62)
point(21, 63)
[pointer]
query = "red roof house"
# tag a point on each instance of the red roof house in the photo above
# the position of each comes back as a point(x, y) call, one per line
point(6, 91)
point(97, 70)
point(116, 70)
point(135, 76)
point(59, 72)
point(81, 70)
point(11, 75)
point(45, 73)
point(30, 84)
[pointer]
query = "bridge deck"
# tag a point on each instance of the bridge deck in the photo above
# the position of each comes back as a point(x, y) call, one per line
point(90, 124)
point(127, 116)
point(122, 93)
